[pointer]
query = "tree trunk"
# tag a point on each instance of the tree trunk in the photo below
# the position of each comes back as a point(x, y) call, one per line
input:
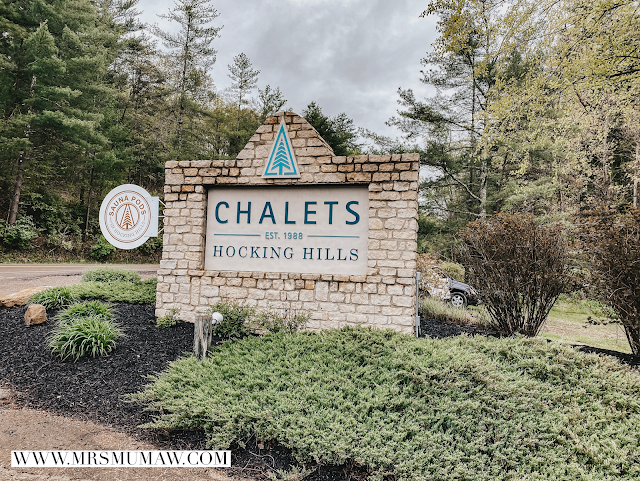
point(635, 176)
point(484, 173)
point(86, 223)
point(202, 334)
point(15, 203)
point(183, 86)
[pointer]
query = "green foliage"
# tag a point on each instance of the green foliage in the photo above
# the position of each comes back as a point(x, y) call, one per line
point(288, 320)
point(153, 244)
point(102, 250)
point(110, 274)
point(84, 336)
point(338, 131)
point(93, 309)
point(453, 269)
point(20, 234)
point(237, 317)
point(477, 409)
point(168, 320)
point(143, 292)
point(54, 297)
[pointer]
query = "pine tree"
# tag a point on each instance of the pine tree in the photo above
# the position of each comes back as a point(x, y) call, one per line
point(52, 110)
point(270, 101)
point(191, 54)
point(339, 132)
point(244, 80)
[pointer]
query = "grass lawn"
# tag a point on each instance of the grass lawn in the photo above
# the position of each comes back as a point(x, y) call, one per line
point(450, 409)
point(567, 323)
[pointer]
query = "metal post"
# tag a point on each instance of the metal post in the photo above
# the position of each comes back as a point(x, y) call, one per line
point(417, 304)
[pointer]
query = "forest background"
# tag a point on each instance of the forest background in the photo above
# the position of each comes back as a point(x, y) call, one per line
point(536, 110)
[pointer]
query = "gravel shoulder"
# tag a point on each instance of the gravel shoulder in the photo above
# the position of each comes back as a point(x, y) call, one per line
point(16, 277)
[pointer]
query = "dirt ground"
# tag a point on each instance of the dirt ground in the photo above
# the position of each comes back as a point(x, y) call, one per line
point(27, 429)
point(15, 277)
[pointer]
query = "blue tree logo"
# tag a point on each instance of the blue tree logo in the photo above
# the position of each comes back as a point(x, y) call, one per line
point(282, 162)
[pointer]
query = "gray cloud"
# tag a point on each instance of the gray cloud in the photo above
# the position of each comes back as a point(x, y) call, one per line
point(348, 55)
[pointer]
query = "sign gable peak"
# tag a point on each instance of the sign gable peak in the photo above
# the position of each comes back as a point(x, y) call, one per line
point(285, 146)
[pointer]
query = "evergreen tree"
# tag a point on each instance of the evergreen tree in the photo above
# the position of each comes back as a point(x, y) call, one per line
point(244, 79)
point(52, 109)
point(270, 101)
point(339, 132)
point(190, 56)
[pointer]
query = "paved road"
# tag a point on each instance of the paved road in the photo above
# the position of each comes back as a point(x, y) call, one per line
point(15, 277)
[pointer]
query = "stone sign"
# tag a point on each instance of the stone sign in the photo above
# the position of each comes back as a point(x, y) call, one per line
point(290, 225)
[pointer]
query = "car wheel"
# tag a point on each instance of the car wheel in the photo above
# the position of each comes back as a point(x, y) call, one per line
point(458, 299)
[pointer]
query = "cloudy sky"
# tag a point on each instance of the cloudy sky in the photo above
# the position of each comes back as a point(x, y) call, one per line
point(348, 55)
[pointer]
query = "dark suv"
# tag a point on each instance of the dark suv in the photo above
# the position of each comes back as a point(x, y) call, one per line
point(462, 295)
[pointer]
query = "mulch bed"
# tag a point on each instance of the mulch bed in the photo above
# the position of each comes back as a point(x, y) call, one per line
point(93, 389)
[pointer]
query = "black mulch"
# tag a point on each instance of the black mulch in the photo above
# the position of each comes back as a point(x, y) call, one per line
point(440, 329)
point(93, 389)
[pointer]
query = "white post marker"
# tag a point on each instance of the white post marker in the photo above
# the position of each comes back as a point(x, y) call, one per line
point(129, 216)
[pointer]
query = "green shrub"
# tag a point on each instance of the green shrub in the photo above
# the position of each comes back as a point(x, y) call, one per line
point(85, 336)
point(453, 269)
point(143, 292)
point(170, 319)
point(288, 320)
point(153, 245)
point(462, 408)
point(102, 250)
point(110, 274)
point(85, 309)
point(20, 234)
point(54, 297)
point(237, 317)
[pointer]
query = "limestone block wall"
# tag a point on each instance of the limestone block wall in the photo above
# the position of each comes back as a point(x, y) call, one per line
point(384, 297)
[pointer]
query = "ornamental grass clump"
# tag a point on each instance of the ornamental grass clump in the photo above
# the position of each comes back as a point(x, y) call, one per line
point(110, 274)
point(143, 292)
point(170, 319)
point(478, 409)
point(433, 308)
point(54, 297)
point(85, 336)
point(85, 309)
point(519, 268)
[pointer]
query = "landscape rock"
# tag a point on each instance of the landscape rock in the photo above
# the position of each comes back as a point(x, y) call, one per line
point(36, 314)
point(20, 298)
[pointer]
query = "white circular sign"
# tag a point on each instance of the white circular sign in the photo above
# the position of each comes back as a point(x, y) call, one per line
point(125, 216)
